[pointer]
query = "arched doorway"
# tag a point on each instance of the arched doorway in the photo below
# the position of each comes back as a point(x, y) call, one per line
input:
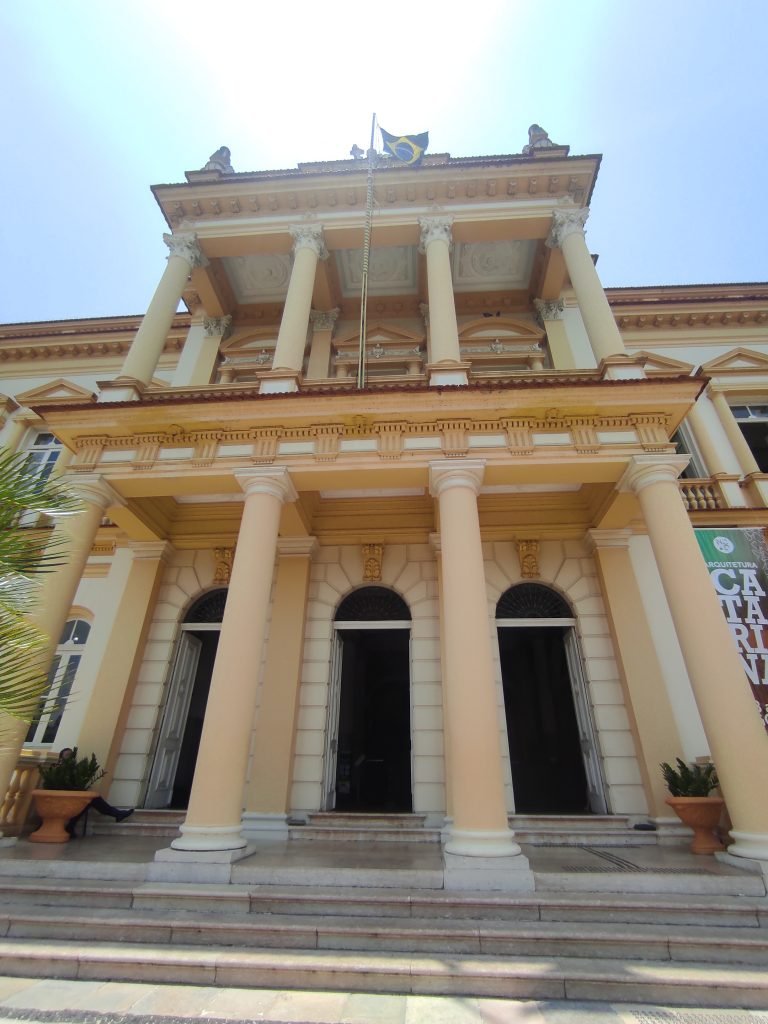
point(552, 741)
point(173, 767)
point(368, 738)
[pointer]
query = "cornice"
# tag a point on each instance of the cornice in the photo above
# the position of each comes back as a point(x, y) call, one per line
point(320, 192)
point(694, 316)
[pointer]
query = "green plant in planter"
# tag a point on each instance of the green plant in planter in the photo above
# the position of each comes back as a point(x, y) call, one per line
point(71, 772)
point(690, 780)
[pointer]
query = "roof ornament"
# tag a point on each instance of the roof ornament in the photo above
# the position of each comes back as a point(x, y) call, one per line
point(356, 153)
point(219, 161)
point(538, 139)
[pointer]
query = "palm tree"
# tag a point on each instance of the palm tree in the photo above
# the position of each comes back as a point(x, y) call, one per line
point(26, 551)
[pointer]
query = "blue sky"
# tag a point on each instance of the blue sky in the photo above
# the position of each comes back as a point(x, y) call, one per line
point(99, 100)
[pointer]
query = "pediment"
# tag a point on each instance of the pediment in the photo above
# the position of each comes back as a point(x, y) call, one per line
point(489, 329)
point(738, 360)
point(251, 344)
point(381, 334)
point(656, 365)
point(57, 392)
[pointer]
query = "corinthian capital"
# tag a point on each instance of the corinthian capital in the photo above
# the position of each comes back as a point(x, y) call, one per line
point(324, 320)
point(433, 228)
point(186, 246)
point(564, 223)
point(548, 310)
point(309, 236)
point(218, 326)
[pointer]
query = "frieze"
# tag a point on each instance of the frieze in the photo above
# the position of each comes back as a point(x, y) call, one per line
point(720, 318)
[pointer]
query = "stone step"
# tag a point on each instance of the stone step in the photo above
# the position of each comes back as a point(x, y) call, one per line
point(143, 822)
point(404, 935)
point(532, 977)
point(339, 819)
point(363, 834)
point(671, 910)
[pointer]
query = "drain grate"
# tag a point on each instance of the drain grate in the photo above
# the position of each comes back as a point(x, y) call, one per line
point(681, 1016)
point(634, 870)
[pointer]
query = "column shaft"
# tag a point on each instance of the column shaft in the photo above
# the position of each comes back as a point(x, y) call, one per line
point(445, 352)
point(216, 802)
point(116, 645)
point(269, 790)
point(736, 736)
point(568, 233)
point(656, 736)
point(746, 460)
point(472, 718)
point(57, 593)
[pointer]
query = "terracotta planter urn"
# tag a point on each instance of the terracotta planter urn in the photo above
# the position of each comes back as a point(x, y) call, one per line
point(702, 814)
point(56, 807)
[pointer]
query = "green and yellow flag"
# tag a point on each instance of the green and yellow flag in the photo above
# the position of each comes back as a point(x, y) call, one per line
point(408, 149)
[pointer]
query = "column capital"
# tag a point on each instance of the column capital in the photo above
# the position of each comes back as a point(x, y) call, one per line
point(434, 229)
point(564, 223)
point(599, 539)
point(644, 470)
point(94, 490)
point(309, 236)
point(455, 473)
point(297, 547)
point(217, 326)
point(273, 480)
point(324, 319)
point(548, 309)
point(187, 248)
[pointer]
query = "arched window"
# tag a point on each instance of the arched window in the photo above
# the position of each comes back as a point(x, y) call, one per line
point(61, 678)
point(532, 601)
point(209, 607)
point(373, 604)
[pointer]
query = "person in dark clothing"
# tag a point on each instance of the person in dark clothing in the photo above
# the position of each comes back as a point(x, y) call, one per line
point(98, 803)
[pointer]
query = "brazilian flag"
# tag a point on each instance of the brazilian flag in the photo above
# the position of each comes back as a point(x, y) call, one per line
point(408, 149)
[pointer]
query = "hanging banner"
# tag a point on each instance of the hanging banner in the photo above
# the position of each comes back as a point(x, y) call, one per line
point(738, 567)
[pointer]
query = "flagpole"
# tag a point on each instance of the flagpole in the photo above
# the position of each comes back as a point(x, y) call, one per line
point(366, 258)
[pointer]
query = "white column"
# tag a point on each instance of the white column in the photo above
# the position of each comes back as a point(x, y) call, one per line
point(480, 826)
point(568, 234)
point(734, 731)
point(147, 347)
point(445, 365)
point(213, 820)
point(75, 533)
point(323, 323)
point(201, 348)
point(308, 248)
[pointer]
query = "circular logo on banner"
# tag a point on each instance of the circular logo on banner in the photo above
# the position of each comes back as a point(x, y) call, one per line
point(723, 545)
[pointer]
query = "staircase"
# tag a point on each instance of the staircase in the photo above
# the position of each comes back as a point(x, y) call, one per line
point(671, 948)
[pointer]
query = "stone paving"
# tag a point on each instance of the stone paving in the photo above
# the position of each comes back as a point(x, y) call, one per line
point(92, 1002)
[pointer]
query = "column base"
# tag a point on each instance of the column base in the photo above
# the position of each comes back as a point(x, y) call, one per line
point(277, 382)
point(257, 826)
point(752, 845)
point(209, 838)
point(468, 842)
point(509, 874)
point(621, 367)
point(447, 374)
point(122, 389)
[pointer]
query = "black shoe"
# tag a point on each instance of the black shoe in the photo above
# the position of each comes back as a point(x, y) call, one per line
point(122, 815)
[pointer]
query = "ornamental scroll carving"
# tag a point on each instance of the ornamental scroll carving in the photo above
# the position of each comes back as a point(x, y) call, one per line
point(372, 559)
point(187, 248)
point(324, 319)
point(548, 310)
point(434, 229)
point(216, 327)
point(309, 236)
point(223, 559)
point(565, 223)
point(528, 550)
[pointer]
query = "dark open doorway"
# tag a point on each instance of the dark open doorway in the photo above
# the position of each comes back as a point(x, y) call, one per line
point(193, 728)
point(548, 775)
point(373, 766)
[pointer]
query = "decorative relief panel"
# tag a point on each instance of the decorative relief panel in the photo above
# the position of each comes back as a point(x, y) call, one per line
point(528, 550)
point(372, 559)
point(223, 560)
point(491, 266)
point(391, 271)
point(259, 277)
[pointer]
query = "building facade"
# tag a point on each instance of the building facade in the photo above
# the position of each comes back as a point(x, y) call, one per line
point(469, 589)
